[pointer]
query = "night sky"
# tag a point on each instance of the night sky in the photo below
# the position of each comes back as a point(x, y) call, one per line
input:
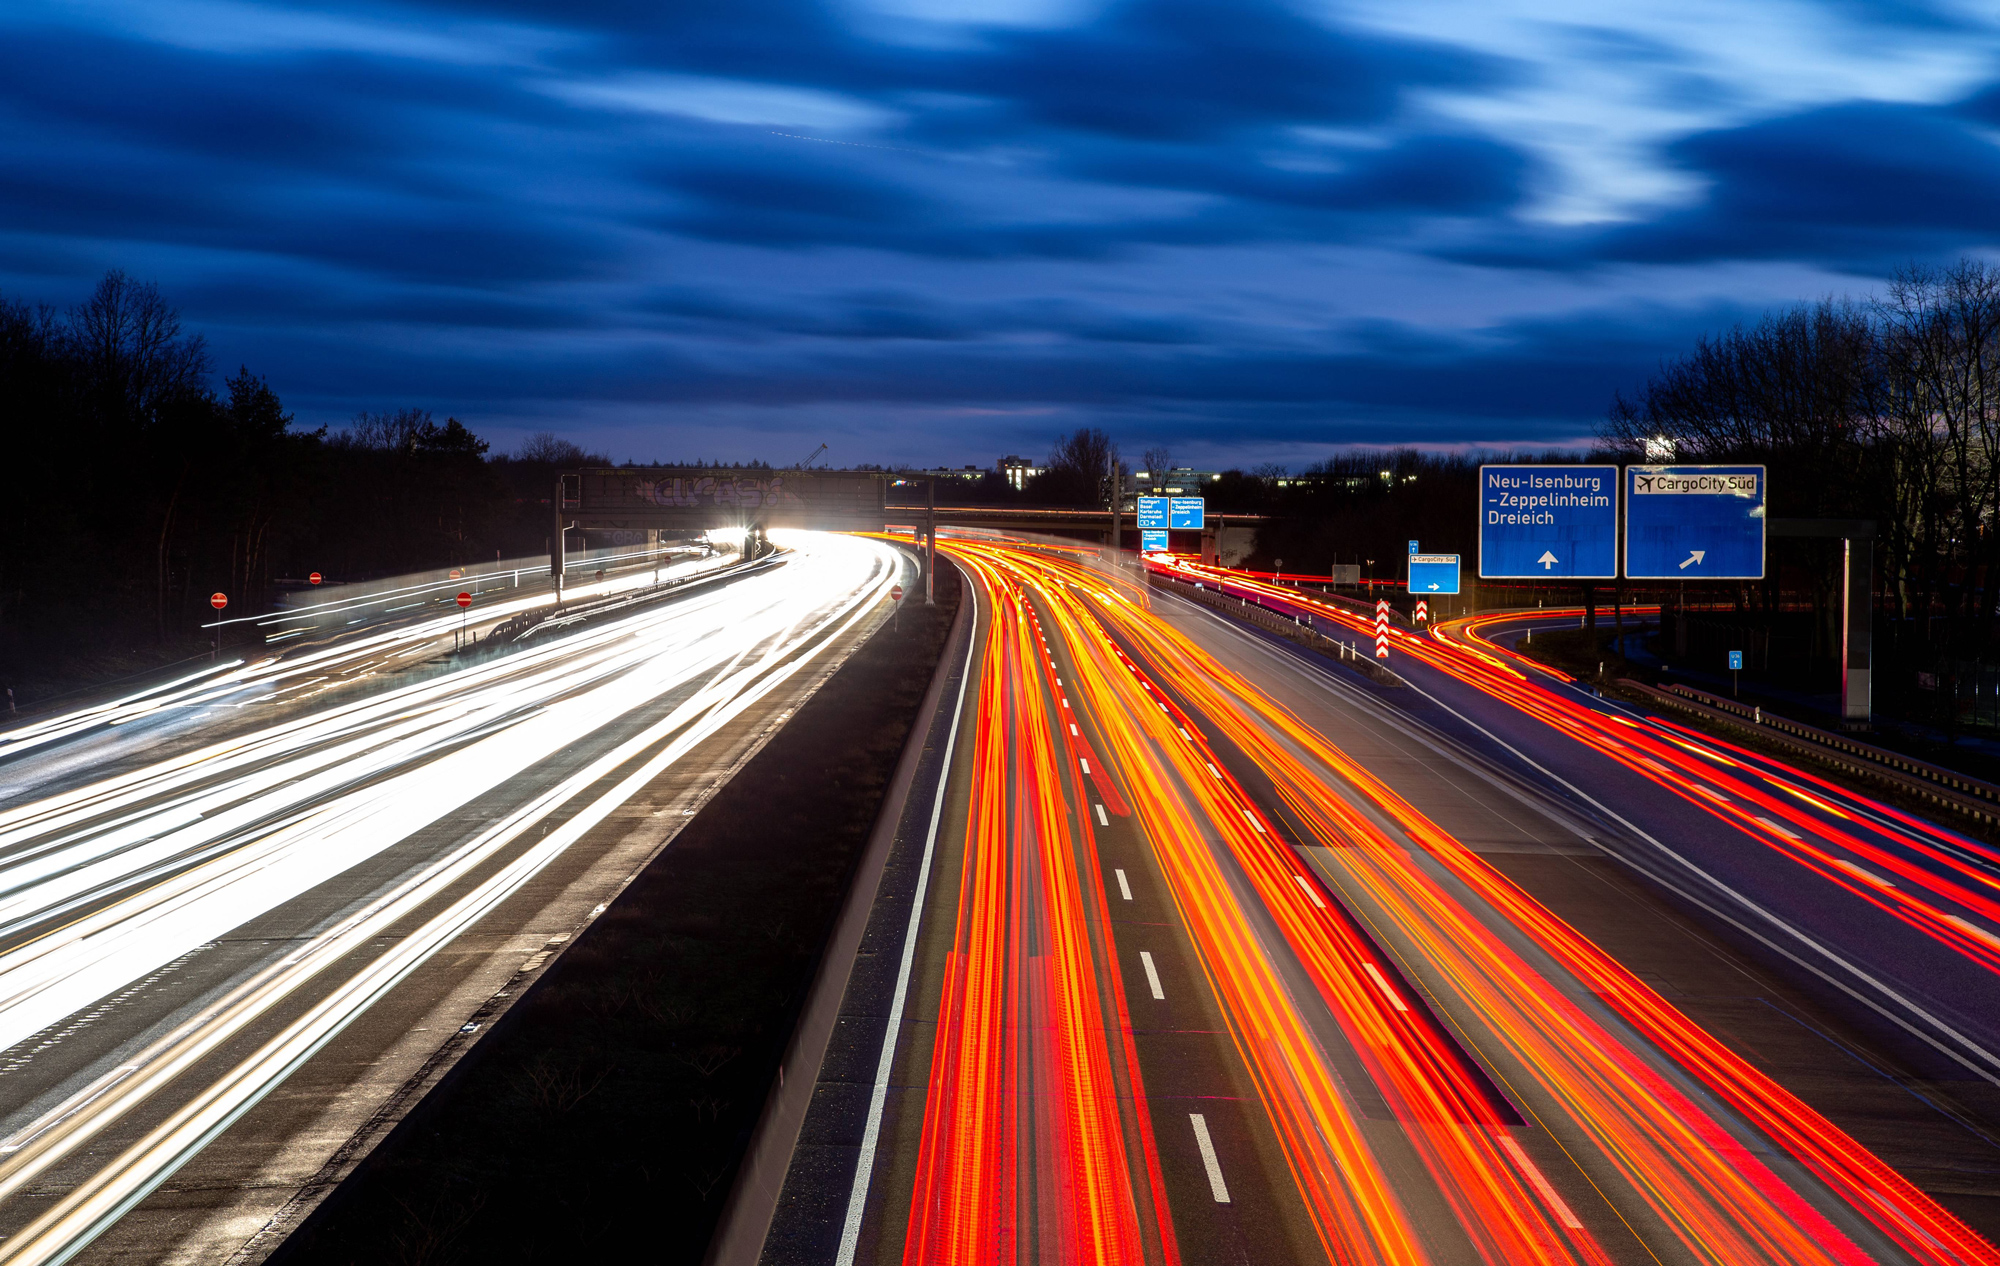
point(931, 231)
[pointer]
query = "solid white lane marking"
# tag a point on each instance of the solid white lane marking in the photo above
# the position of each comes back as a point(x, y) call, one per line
point(1383, 985)
point(1101, 819)
point(1216, 1187)
point(1778, 828)
point(1540, 1183)
point(1310, 890)
point(1152, 972)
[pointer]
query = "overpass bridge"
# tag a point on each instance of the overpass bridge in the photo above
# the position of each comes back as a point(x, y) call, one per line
point(666, 502)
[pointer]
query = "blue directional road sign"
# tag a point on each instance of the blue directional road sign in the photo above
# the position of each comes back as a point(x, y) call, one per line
point(1548, 522)
point(1152, 513)
point(1433, 573)
point(1153, 541)
point(1736, 661)
point(1694, 522)
point(1413, 547)
point(1185, 512)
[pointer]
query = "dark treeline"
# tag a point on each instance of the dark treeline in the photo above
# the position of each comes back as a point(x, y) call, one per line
point(141, 488)
point(1886, 409)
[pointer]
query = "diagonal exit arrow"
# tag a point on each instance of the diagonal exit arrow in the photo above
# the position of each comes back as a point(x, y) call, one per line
point(1694, 556)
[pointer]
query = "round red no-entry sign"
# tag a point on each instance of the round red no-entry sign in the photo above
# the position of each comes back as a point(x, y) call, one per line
point(456, 573)
point(464, 600)
point(895, 593)
point(314, 578)
point(218, 600)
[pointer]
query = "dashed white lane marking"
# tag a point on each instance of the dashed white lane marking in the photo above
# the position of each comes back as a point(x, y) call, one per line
point(1101, 819)
point(1086, 764)
point(1072, 727)
point(1216, 1187)
point(1124, 889)
point(1711, 793)
point(1383, 985)
point(1310, 890)
point(1251, 818)
point(1213, 770)
point(1865, 876)
point(1778, 828)
point(1540, 1183)
point(1973, 929)
point(1152, 975)
point(1183, 730)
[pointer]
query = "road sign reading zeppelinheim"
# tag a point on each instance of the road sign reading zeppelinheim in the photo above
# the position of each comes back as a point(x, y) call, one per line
point(1548, 522)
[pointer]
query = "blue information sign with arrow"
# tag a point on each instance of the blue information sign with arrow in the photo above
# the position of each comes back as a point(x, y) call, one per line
point(1185, 512)
point(1152, 514)
point(1548, 522)
point(1694, 522)
point(1433, 573)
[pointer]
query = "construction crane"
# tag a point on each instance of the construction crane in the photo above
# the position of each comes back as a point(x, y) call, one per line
point(810, 460)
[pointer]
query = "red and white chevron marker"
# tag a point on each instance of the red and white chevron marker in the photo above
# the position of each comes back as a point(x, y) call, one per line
point(1423, 611)
point(1381, 628)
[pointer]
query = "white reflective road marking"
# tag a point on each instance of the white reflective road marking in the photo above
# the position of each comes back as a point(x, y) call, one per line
point(1541, 1184)
point(1152, 972)
point(1216, 1186)
point(1124, 889)
point(1383, 985)
point(1310, 890)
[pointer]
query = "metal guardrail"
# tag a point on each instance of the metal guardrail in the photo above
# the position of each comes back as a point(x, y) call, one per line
point(1842, 753)
point(1923, 769)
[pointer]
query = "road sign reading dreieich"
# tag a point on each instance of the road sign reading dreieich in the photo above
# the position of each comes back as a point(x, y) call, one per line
point(1548, 522)
point(1433, 573)
point(1153, 541)
point(1152, 514)
point(1185, 512)
point(1694, 522)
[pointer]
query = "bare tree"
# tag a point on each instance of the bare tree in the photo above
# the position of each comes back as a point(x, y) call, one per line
point(551, 449)
point(1079, 468)
point(398, 432)
point(132, 358)
point(1159, 460)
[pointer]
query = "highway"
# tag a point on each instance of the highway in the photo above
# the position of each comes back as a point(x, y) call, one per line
point(1894, 910)
point(202, 890)
point(1214, 957)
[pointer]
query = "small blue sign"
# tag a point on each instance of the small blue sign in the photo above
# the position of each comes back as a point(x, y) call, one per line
point(1413, 547)
point(1694, 522)
point(1433, 573)
point(1153, 541)
point(1152, 513)
point(1548, 522)
point(1185, 512)
point(1735, 661)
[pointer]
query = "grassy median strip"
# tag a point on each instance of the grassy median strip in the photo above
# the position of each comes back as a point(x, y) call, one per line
point(614, 1106)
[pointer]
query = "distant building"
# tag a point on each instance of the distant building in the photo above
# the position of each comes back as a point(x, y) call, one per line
point(1017, 471)
point(1181, 481)
point(970, 474)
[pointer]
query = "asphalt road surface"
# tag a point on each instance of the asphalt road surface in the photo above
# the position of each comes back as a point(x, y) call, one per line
point(1208, 954)
point(302, 874)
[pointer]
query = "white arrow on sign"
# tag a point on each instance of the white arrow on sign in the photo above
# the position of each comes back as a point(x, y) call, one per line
point(1694, 556)
point(1547, 560)
point(1433, 586)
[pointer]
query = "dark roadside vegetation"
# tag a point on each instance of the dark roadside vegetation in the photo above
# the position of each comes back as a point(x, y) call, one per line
point(141, 488)
point(604, 1118)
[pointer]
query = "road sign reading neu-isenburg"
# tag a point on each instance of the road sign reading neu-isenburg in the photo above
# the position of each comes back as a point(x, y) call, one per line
point(1433, 573)
point(1152, 514)
point(1548, 521)
point(1153, 541)
point(1694, 522)
point(1185, 512)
